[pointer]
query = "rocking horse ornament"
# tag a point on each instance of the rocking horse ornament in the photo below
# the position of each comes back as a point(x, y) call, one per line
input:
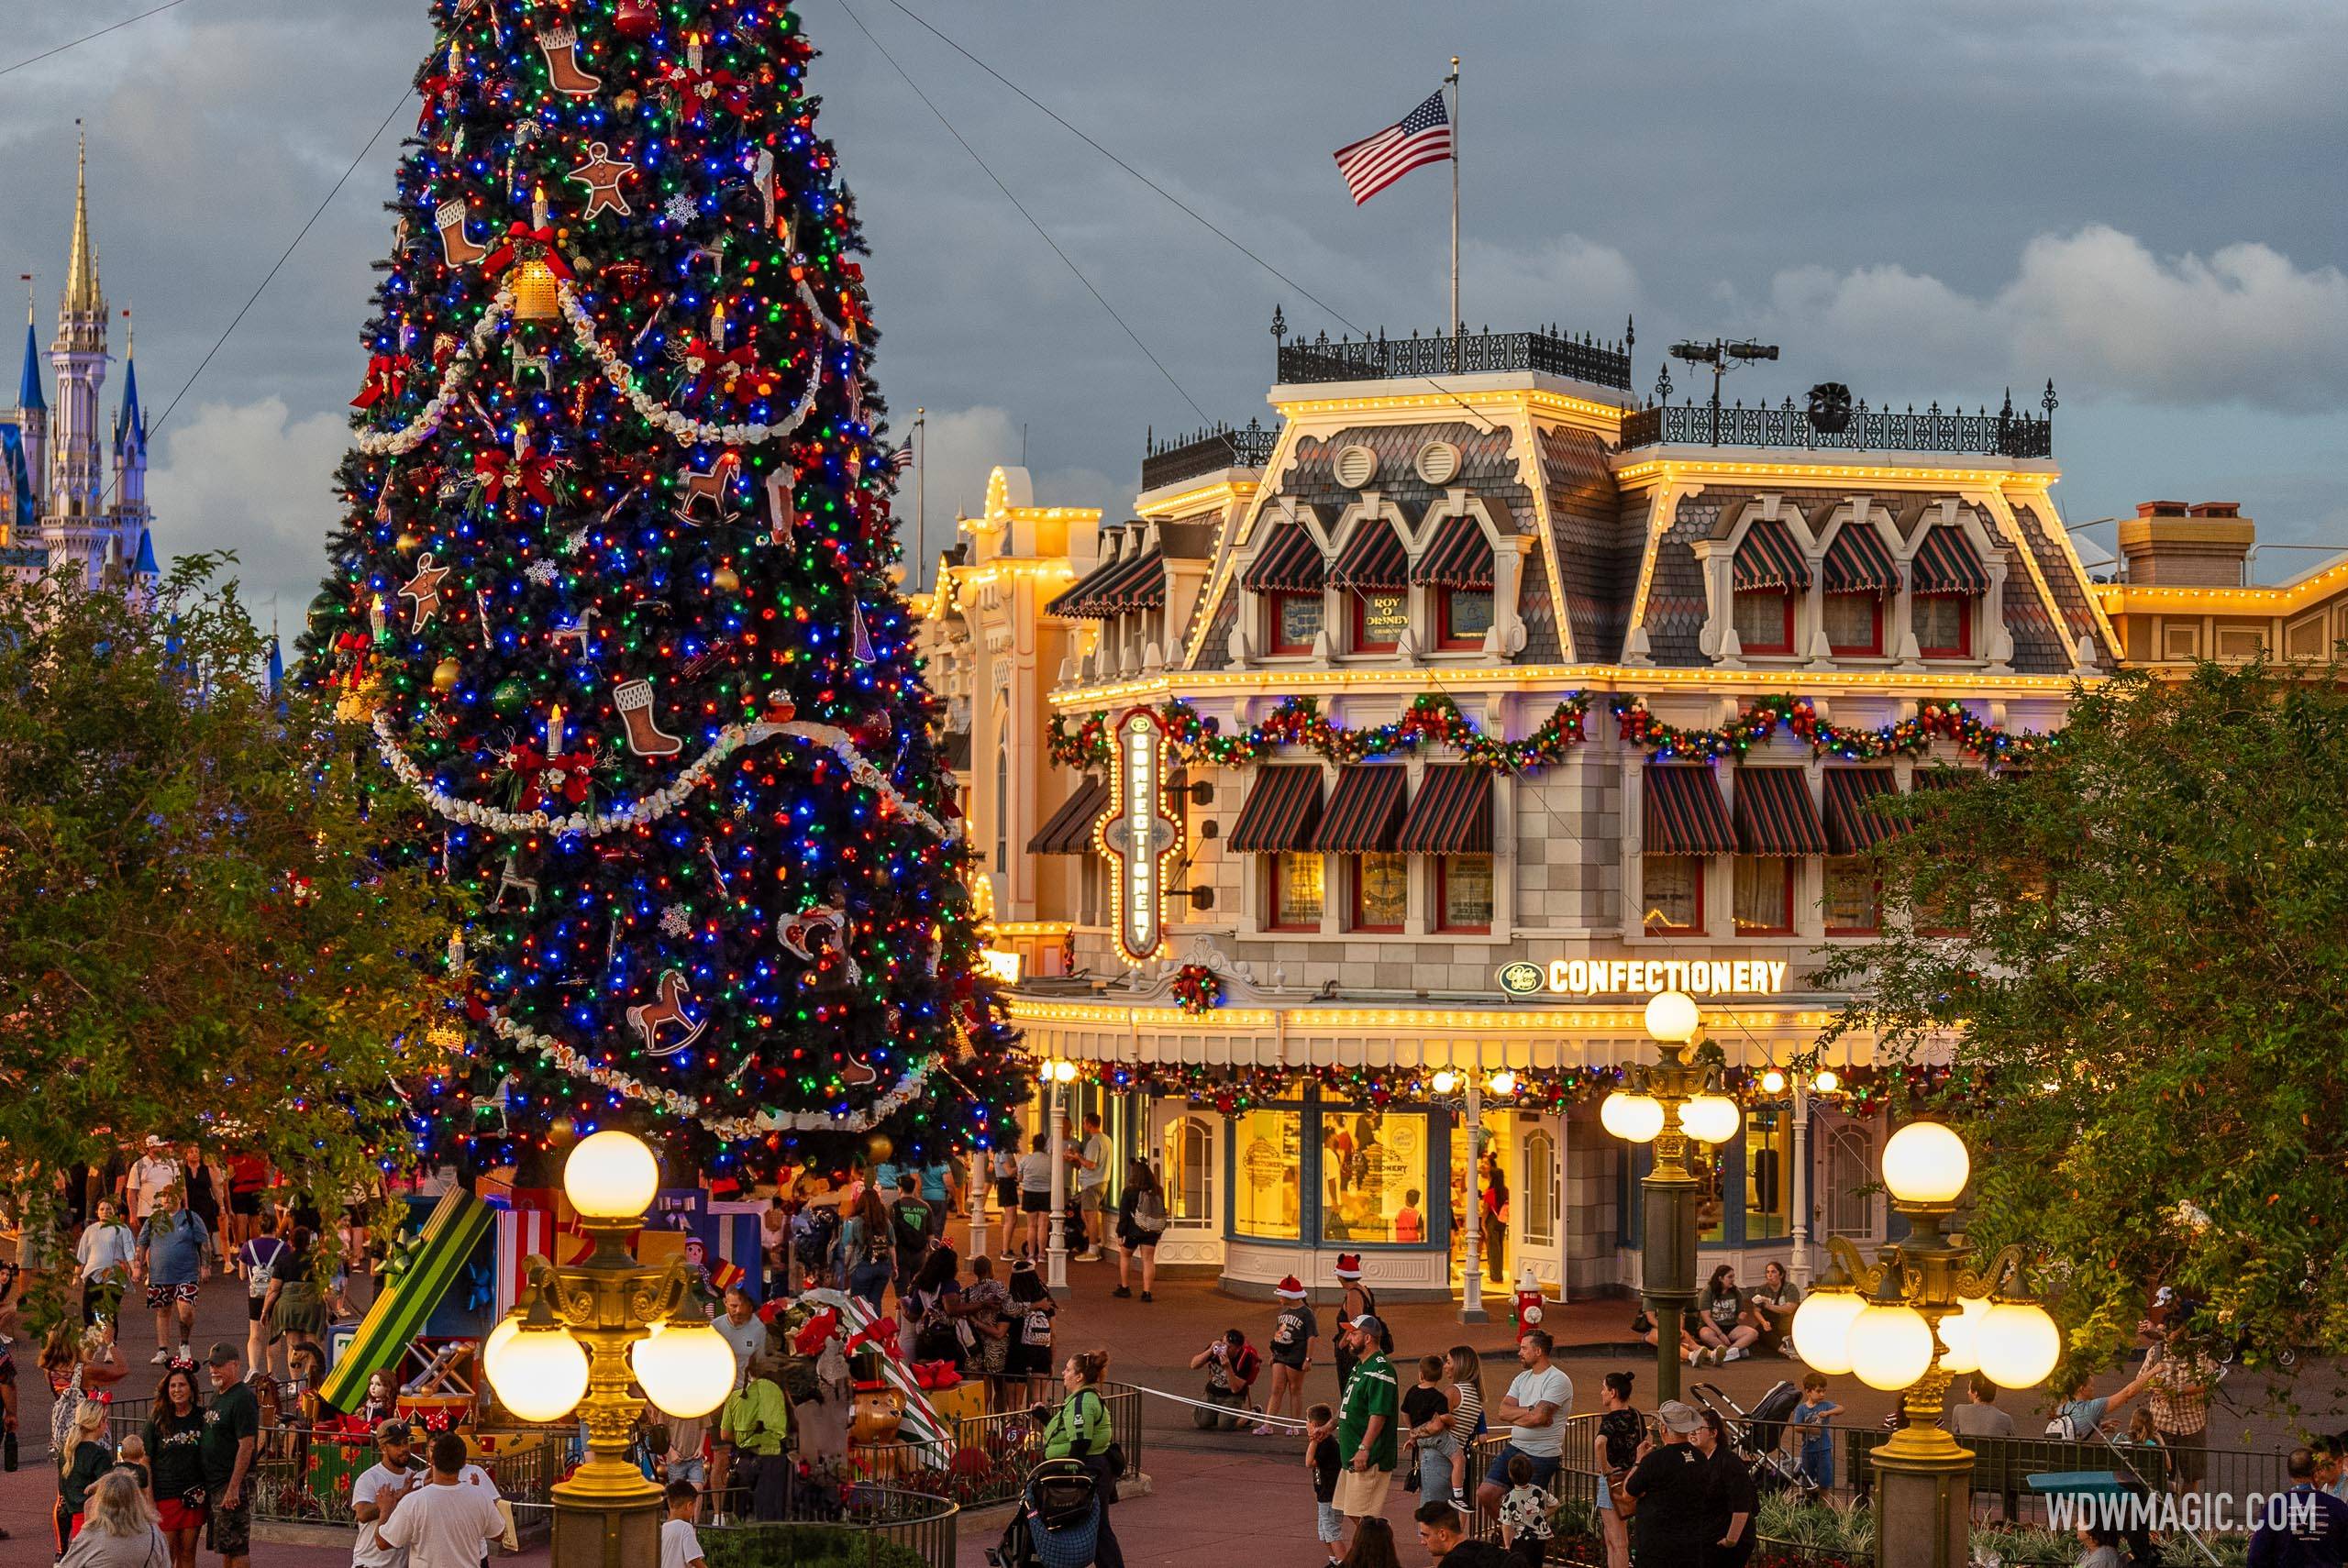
point(647, 1019)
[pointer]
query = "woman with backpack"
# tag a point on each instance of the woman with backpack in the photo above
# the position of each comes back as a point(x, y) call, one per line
point(1080, 1429)
point(1141, 1219)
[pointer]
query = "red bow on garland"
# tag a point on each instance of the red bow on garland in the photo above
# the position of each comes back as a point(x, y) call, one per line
point(519, 236)
point(495, 471)
point(564, 774)
point(433, 87)
point(724, 369)
point(387, 377)
point(723, 88)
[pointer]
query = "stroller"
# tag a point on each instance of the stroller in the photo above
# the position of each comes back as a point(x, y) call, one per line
point(1758, 1433)
point(1058, 1522)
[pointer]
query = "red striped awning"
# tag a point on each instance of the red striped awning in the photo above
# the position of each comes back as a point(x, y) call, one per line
point(1774, 815)
point(1083, 600)
point(1945, 778)
point(1290, 563)
point(1851, 828)
point(1373, 559)
point(1460, 557)
point(1681, 813)
point(1768, 558)
point(1365, 812)
point(1069, 830)
point(1140, 584)
point(1858, 562)
point(1282, 811)
point(1452, 813)
point(1946, 563)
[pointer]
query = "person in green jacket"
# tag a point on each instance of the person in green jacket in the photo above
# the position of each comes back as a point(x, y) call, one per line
point(757, 1422)
point(1080, 1429)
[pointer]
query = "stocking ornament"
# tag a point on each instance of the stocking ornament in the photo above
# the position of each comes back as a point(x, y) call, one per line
point(634, 700)
point(778, 502)
point(560, 46)
point(457, 247)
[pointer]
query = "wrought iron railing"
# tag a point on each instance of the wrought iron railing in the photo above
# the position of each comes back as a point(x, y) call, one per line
point(1209, 451)
point(1583, 359)
point(2002, 433)
point(857, 1526)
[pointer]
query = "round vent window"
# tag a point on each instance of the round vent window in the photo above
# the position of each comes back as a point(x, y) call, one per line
point(1438, 462)
point(1355, 467)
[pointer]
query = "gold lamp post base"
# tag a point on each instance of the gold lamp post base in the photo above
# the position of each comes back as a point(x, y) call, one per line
point(1923, 1494)
point(602, 1522)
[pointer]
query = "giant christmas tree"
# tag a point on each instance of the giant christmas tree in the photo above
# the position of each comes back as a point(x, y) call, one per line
point(612, 603)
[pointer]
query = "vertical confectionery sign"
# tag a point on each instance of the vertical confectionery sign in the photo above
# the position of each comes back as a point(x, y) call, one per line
point(1138, 836)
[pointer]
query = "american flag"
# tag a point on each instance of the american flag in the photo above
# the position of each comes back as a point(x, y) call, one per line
point(902, 458)
point(1421, 136)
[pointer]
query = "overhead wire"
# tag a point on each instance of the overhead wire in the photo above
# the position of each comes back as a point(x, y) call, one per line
point(86, 37)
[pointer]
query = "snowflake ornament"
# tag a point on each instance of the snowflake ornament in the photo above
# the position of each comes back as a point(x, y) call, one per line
point(675, 920)
point(543, 573)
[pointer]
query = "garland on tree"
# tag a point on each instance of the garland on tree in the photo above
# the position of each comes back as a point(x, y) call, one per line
point(1432, 719)
point(1752, 725)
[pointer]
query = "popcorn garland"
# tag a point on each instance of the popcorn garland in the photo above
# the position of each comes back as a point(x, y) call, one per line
point(738, 1129)
point(461, 369)
point(660, 802)
point(687, 430)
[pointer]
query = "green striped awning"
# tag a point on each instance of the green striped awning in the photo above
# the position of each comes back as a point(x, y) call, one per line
point(1290, 563)
point(1768, 558)
point(1460, 557)
point(1083, 600)
point(1774, 815)
point(1373, 559)
point(1282, 810)
point(1365, 812)
point(1069, 830)
point(1452, 813)
point(1946, 563)
point(1680, 813)
point(1139, 584)
point(1851, 827)
point(1859, 562)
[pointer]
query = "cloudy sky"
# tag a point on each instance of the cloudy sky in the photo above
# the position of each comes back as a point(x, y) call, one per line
point(2140, 199)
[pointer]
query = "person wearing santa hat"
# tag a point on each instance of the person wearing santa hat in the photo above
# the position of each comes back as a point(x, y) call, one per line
point(1293, 1330)
point(1360, 1301)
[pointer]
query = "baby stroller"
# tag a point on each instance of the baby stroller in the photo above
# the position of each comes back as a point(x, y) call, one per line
point(1758, 1433)
point(1058, 1522)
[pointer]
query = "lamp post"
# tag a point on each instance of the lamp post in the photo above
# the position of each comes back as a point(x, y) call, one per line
point(583, 1332)
point(1678, 1098)
point(1470, 1107)
point(1913, 1322)
point(1061, 1073)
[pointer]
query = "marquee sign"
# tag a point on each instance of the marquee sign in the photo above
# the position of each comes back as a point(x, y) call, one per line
point(1613, 977)
point(1139, 838)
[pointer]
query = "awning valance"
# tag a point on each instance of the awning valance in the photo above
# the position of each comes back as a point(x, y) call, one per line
point(1373, 559)
point(1858, 562)
point(1460, 557)
point(1291, 562)
point(1452, 813)
point(1083, 600)
point(1681, 813)
point(1365, 811)
point(1139, 584)
point(1851, 828)
point(1774, 815)
point(1769, 560)
point(1282, 811)
point(1069, 830)
point(1946, 563)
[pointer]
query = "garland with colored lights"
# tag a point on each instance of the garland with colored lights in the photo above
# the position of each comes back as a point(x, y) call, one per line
point(685, 428)
point(1197, 988)
point(1432, 719)
point(1907, 737)
point(462, 365)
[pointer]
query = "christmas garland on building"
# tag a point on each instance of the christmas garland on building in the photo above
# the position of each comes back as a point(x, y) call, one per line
point(1907, 737)
point(1432, 719)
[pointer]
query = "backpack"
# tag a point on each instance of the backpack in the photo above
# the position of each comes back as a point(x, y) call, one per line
point(1149, 1214)
point(814, 1244)
point(2068, 1427)
point(1037, 1330)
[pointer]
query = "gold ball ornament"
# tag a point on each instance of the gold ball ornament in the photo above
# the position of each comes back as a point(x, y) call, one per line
point(445, 674)
point(408, 542)
point(725, 580)
point(878, 1148)
point(561, 1131)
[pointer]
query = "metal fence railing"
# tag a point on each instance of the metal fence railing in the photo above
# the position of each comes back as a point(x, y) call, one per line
point(856, 1526)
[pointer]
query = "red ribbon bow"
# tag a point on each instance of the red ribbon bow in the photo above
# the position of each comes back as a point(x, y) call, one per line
point(882, 1336)
point(495, 470)
point(537, 772)
point(387, 377)
point(723, 88)
point(724, 369)
point(519, 235)
point(936, 1375)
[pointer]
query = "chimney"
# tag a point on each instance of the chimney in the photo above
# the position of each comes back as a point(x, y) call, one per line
point(2169, 544)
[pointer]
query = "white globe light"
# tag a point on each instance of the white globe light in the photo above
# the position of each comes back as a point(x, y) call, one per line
point(1960, 1350)
point(2017, 1343)
point(1823, 1329)
point(1773, 1082)
point(1633, 1118)
point(1891, 1347)
point(540, 1374)
point(1063, 1072)
point(611, 1175)
point(1925, 1162)
point(1710, 1118)
point(1445, 1081)
point(687, 1369)
point(1502, 1083)
point(1671, 1015)
point(504, 1331)
point(1827, 1081)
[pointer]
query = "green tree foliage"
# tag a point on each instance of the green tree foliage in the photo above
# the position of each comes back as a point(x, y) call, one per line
point(2149, 1014)
point(195, 941)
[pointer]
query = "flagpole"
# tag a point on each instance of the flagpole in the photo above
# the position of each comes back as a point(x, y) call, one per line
point(921, 497)
point(1452, 81)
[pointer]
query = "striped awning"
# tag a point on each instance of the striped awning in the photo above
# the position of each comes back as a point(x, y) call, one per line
point(1945, 778)
point(1460, 557)
point(1859, 562)
point(1774, 815)
point(1282, 811)
point(1946, 563)
point(1681, 813)
point(1083, 601)
point(1768, 558)
point(1140, 584)
point(1290, 563)
point(1365, 812)
point(1069, 830)
point(1452, 813)
point(1851, 827)
point(1374, 560)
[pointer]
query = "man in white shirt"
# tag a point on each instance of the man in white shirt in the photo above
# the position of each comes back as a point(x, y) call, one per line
point(446, 1524)
point(376, 1495)
point(1534, 1408)
point(739, 1326)
point(153, 1173)
point(1092, 1184)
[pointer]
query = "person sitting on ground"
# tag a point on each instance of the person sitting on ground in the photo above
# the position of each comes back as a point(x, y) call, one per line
point(1443, 1530)
point(1773, 1305)
point(1723, 1323)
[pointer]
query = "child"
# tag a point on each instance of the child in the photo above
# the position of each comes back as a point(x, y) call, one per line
point(130, 1454)
point(1426, 1417)
point(1818, 1445)
point(1321, 1462)
point(1032, 1307)
point(1524, 1515)
point(679, 1547)
point(1409, 1228)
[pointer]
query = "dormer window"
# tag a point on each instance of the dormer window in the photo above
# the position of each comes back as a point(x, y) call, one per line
point(1456, 571)
point(1858, 576)
point(1373, 572)
point(1771, 570)
point(1290, 622)
point(1946, 581)
point(1379, 617)
point(1765, 621)
point(1287, 576)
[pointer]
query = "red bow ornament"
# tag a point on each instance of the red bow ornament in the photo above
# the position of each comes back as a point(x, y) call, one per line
point(492, 472)
point(709, 367)
point(523, 243)
point(933, 1376)
point(561, 776)
point(881, 1335)
point(387, 377)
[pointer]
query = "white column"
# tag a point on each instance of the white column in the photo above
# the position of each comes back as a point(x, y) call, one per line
point(1471, 1301)
point(1055, 1252)
point(980, 1180)
point(1798, 1270)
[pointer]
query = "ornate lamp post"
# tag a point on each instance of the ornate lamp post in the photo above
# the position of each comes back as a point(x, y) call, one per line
point(584, 1332)
point(1678, 1098)
point(1913, 1322)
point(1469, 1108)
point(1059, 1073)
